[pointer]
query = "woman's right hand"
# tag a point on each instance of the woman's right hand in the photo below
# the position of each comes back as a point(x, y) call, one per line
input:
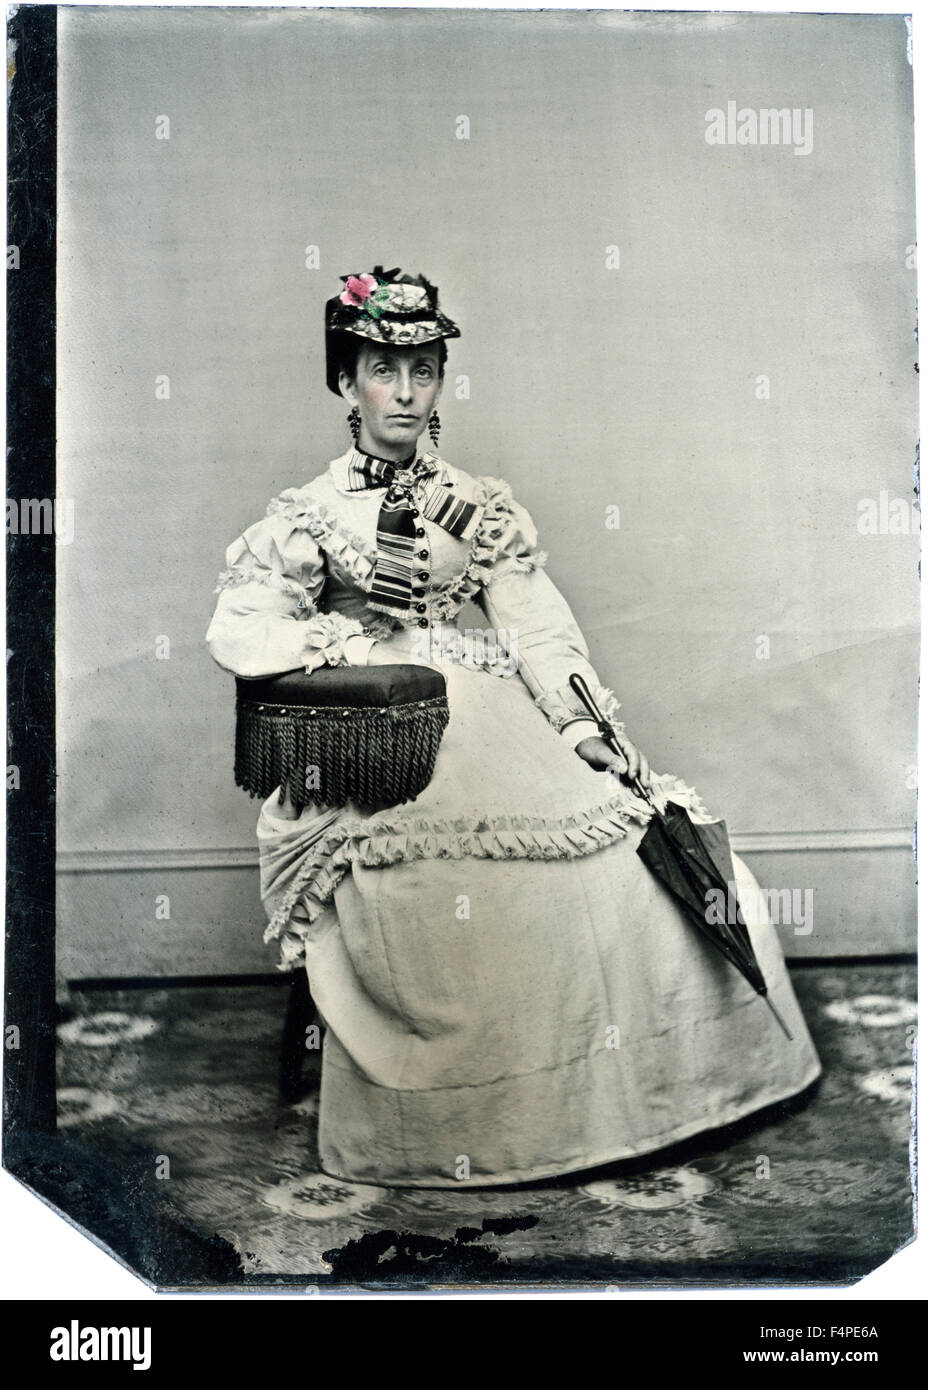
point(386, 654)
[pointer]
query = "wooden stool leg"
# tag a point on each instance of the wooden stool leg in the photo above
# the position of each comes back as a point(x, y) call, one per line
point(301, 1012)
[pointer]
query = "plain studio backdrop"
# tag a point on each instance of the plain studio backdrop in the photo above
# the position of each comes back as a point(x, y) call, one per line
point(718, 340)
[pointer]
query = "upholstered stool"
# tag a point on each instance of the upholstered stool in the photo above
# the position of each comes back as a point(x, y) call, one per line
point(365, 734)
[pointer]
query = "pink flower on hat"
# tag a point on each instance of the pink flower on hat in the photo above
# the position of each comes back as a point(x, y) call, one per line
point(358, 289)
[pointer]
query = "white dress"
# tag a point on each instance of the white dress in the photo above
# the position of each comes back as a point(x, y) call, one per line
point(508, 992)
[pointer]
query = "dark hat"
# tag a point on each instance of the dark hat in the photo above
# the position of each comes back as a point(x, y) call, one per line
point(384, 306)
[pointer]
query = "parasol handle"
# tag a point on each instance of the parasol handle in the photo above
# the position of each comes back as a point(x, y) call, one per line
point(607, 732)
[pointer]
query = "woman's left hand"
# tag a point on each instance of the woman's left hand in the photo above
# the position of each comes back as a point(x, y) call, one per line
point(631, 764)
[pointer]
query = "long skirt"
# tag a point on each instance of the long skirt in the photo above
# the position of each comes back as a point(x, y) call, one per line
point(508, 992)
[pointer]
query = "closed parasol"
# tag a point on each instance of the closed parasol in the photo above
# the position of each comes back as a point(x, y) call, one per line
point(694, 864)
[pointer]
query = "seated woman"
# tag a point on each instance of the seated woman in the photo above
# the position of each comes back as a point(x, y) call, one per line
point(508, 992)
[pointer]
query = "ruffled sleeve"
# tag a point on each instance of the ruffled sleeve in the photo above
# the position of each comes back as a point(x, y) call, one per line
point(535, 620)
point(267, 617)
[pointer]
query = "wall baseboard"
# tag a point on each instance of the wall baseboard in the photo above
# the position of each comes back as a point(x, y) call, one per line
point(126, 861)
point(111, 904)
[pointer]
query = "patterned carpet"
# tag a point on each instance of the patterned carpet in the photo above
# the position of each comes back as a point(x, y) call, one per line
point(189, 1076)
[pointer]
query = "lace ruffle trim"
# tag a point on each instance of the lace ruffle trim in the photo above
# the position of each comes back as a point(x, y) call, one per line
point(258, 574)
point(487, 544)
point(378, 843)
point(562, 705)
point(349, 550)
point(326, 634)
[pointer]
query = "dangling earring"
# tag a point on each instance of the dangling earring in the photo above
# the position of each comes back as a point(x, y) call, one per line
point(354, 422)
point(434, 427)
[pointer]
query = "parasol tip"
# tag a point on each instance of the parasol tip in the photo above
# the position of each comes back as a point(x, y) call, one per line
point(777, 1015)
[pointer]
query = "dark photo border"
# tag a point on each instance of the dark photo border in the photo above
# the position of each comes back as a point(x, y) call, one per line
point(111, 1201)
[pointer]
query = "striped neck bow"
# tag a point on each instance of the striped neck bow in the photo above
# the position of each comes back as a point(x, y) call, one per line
point(412, 498)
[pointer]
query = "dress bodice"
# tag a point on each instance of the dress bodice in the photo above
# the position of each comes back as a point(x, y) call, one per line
point(296, 590)
point(450, 570)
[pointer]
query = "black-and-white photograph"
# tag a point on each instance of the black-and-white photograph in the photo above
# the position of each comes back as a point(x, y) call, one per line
point(486, 641)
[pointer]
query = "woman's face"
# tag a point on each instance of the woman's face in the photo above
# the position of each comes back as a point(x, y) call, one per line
point(395, 390)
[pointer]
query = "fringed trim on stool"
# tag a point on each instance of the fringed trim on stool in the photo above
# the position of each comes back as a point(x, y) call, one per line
point(327, 756)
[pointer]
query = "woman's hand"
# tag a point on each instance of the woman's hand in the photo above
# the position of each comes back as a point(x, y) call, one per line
point(383, 654)
point(376, 657)
point(631, 764)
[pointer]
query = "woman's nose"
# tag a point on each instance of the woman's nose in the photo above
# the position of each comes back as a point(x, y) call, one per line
point(404, 386)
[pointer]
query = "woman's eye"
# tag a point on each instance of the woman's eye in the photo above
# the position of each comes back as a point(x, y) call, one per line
point(424, 373)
